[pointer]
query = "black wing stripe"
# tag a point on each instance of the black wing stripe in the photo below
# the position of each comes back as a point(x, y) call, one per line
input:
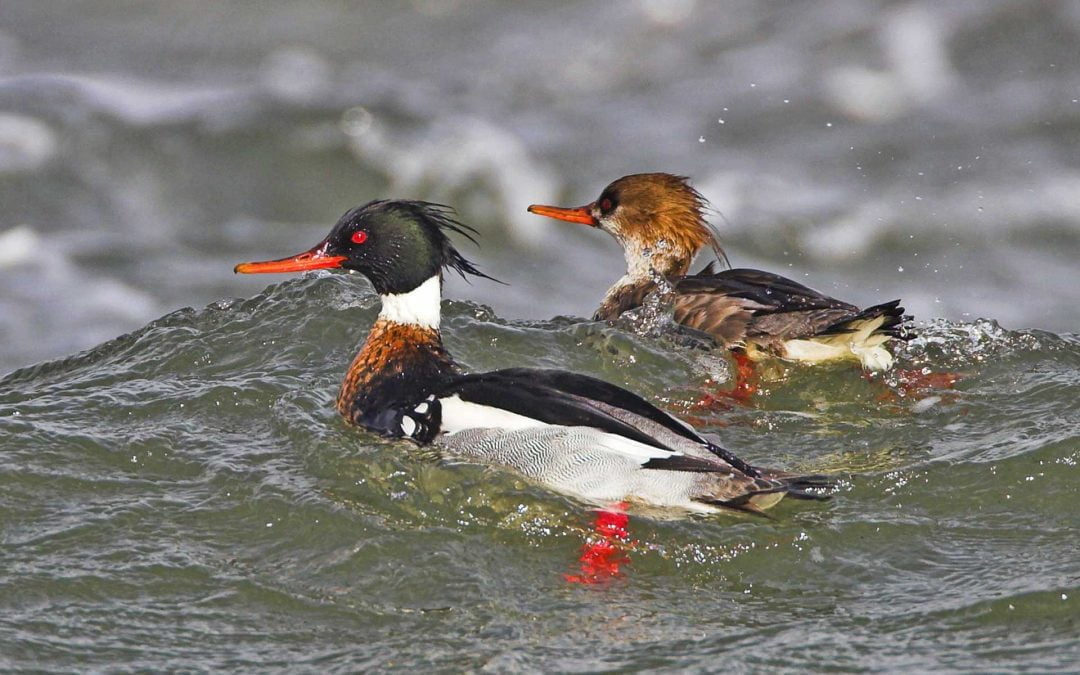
point(686, 463)
point(554, 397)
point(729, 457)
point(500, 389)
point(605, 392)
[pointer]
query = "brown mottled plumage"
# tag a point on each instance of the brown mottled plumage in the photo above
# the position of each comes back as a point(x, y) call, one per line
point(659, 220)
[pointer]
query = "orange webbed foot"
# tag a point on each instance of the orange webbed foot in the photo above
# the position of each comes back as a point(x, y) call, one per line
point(601, 559)
point(746, 385)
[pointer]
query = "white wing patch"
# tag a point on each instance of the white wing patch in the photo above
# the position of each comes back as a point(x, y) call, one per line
point(639, 451)
point(459, 415)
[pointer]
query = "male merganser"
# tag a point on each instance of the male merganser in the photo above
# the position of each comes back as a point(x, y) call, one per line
point(659, 220)
point(574, 433)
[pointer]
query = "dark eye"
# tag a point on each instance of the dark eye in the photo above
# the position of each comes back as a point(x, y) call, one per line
point(606, 205)
point(359, 237)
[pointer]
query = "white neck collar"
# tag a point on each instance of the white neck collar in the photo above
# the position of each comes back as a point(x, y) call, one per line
point(418, 307)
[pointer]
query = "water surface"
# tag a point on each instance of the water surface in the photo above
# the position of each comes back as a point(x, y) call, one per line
point(184, 495)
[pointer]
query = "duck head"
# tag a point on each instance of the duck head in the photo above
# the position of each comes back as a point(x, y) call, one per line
point(397, 244)
point(658, 218)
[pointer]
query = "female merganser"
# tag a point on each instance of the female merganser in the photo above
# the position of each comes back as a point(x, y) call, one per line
point(571, 432)
point(659, 220)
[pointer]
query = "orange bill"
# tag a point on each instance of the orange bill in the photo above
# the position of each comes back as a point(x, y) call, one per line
point(315, 259)
point(581, 214)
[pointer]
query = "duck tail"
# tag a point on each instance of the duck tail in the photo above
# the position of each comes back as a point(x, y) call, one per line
point(772, 487)
point(886, 319)
point(866, 334)
point(815, 486)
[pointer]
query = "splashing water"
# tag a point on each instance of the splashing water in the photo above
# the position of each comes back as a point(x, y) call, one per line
point(656, 315)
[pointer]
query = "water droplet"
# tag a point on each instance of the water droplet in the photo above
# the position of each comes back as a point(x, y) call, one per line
point(720, 121)
point(356, 121)
point(900, 268)
point(701, 139)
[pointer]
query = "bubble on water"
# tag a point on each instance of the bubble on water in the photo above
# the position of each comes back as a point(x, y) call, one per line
point(356, 121)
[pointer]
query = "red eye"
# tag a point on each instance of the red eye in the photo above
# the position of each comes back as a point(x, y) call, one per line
point(359, 237)
point(605, 205)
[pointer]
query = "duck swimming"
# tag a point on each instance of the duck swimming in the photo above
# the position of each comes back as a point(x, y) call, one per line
point(658, 218)
point(573, 433)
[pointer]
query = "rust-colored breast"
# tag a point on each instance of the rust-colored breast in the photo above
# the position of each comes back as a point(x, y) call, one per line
point(394, 357)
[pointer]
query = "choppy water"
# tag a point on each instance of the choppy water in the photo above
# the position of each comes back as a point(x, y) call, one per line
point(184, 495)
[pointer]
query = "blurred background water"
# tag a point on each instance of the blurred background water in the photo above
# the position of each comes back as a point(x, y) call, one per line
point(184, 494)
point(881, 149)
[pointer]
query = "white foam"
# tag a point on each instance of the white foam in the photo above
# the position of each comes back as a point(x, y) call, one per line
point(18, 245)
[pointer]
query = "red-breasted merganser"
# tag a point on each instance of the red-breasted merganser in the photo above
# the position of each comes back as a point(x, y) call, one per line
point(659, 220)
point(574, 433)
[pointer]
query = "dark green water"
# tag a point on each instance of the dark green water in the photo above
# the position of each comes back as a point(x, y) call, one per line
point(184, 496)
